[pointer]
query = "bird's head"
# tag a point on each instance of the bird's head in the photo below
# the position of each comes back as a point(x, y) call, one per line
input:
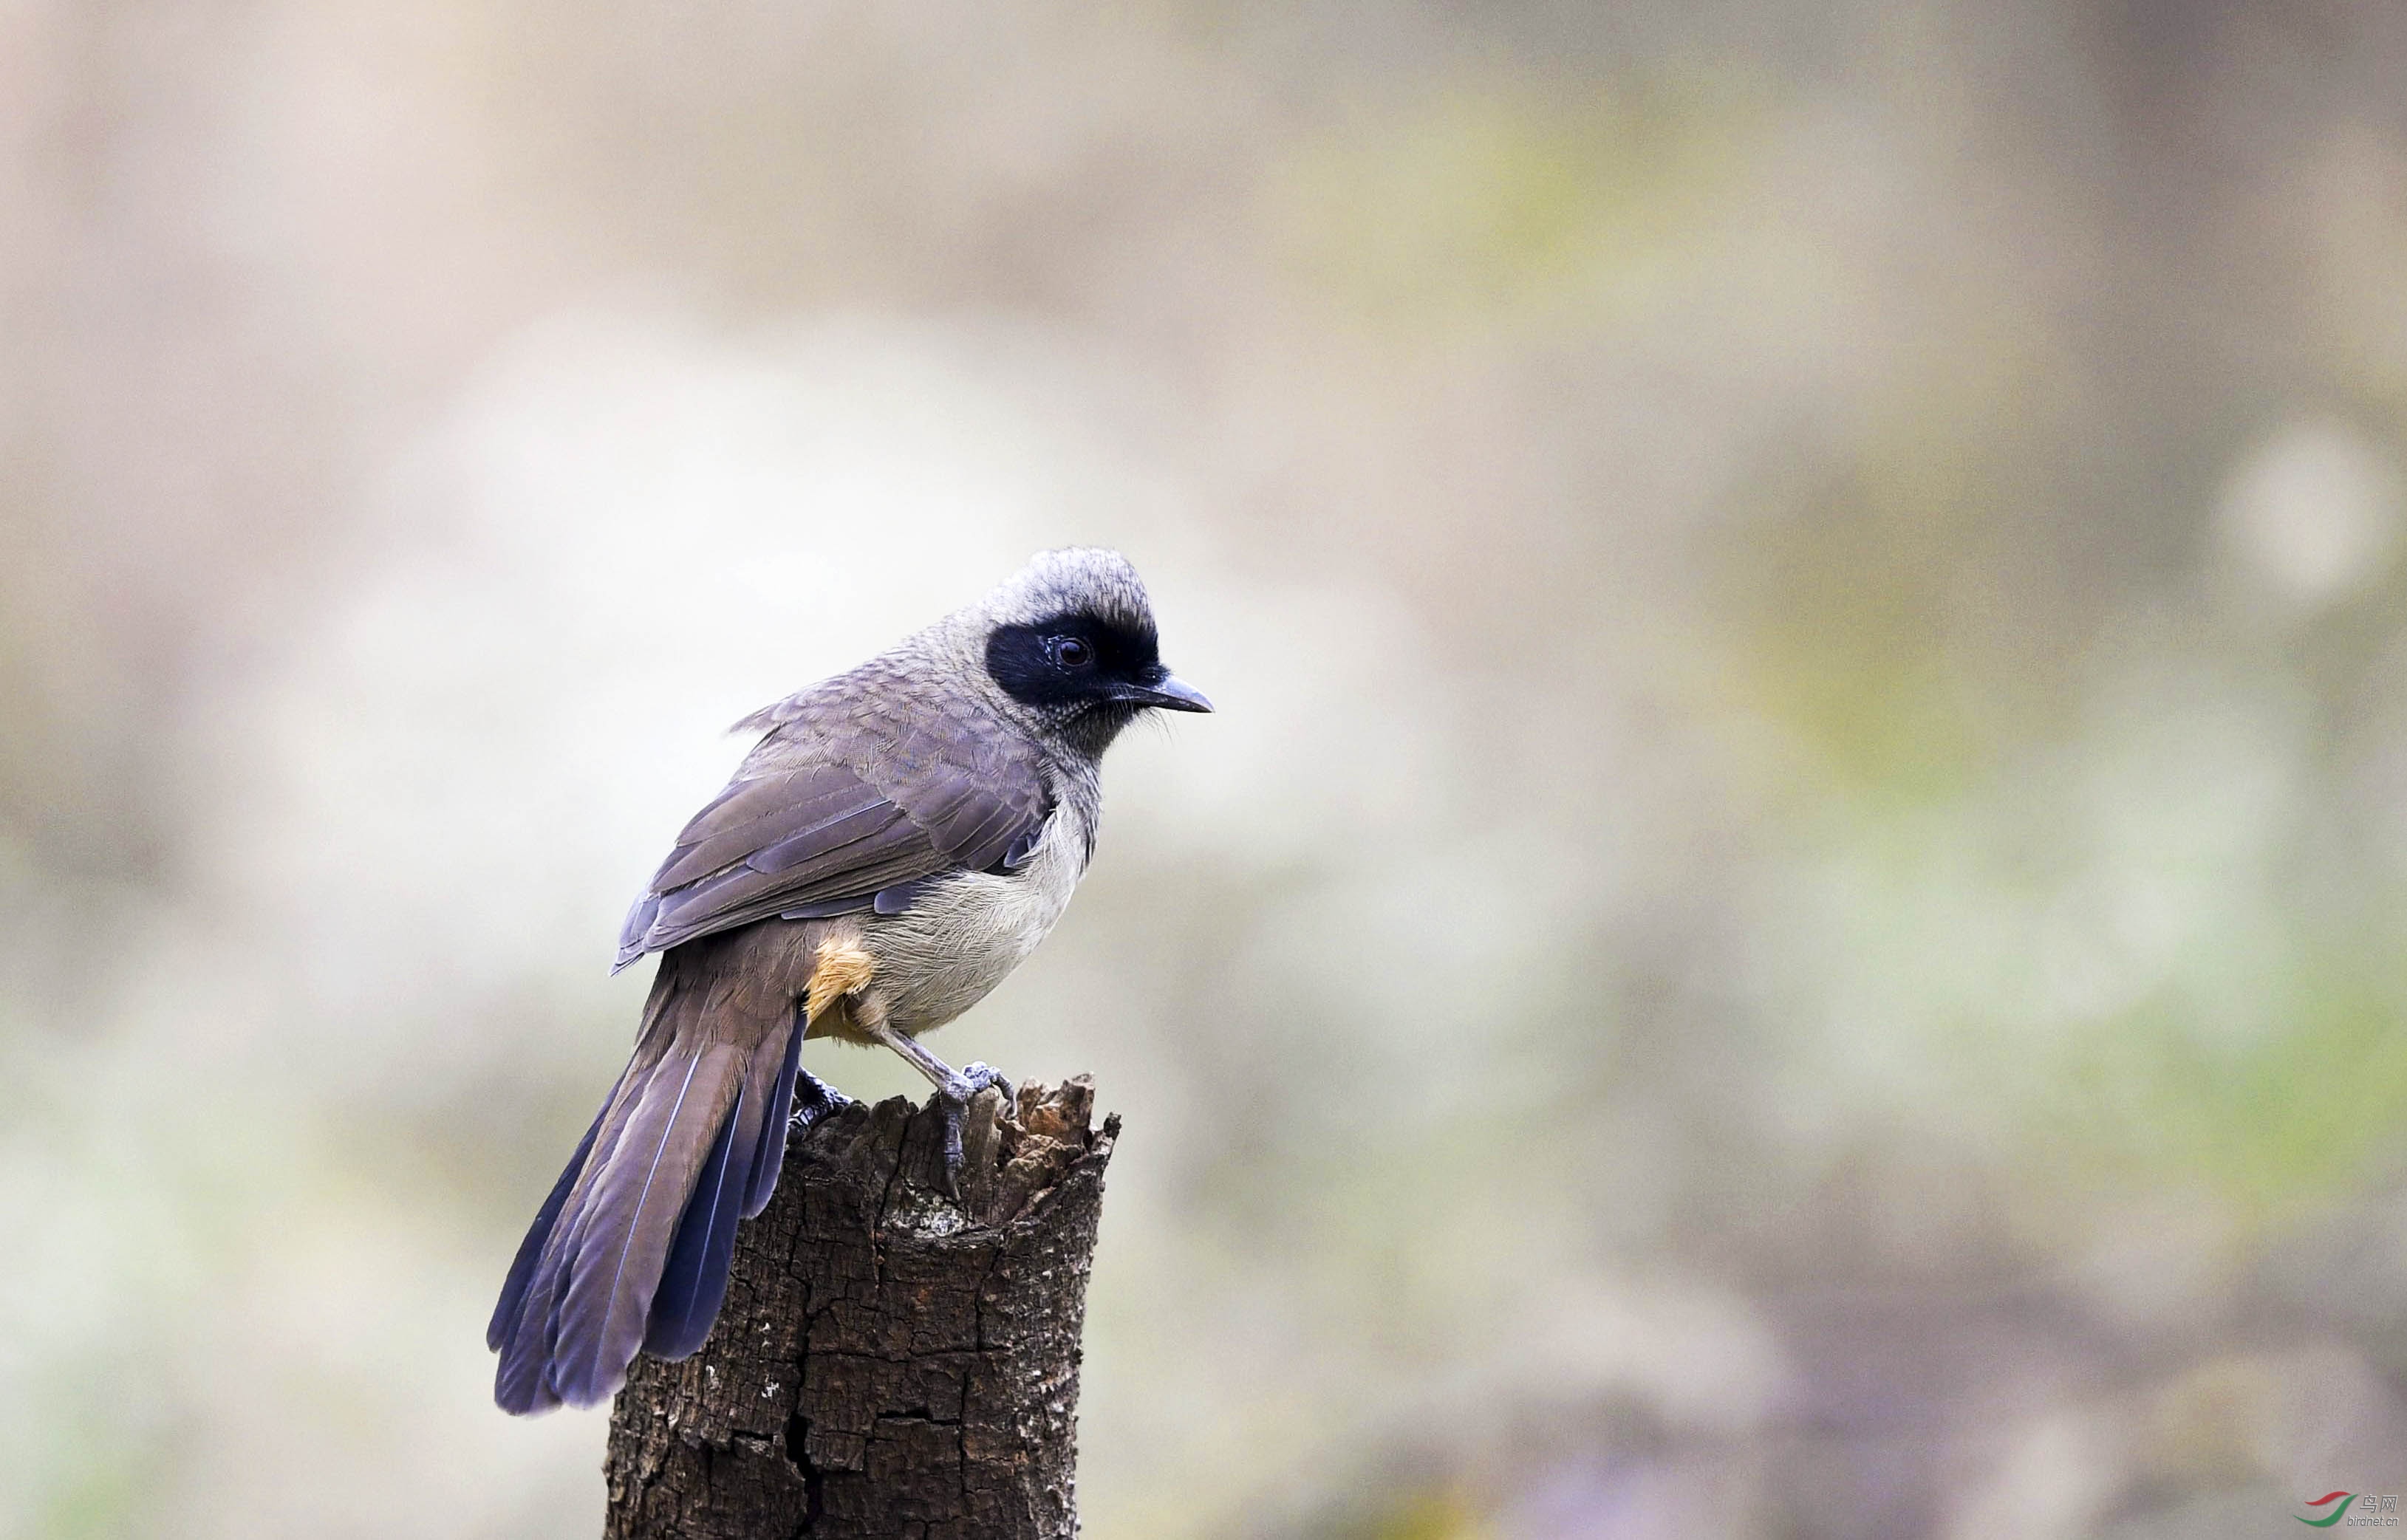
point(1070, 642)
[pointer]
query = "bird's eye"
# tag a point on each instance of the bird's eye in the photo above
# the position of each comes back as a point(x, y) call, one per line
point(1068, 652)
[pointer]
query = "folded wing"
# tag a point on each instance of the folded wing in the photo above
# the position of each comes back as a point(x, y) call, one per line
point(835, 815)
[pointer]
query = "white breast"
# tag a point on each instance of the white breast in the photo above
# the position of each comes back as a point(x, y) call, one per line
point(962, 935)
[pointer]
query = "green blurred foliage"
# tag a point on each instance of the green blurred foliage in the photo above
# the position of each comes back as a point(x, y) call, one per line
point(1499, 203)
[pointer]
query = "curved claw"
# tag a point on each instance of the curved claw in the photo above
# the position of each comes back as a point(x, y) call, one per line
point(982, 1077)
point(954, 1089)
point(953, 1096)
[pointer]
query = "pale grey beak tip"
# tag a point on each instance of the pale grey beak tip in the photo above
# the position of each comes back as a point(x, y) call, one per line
point(1177, 695)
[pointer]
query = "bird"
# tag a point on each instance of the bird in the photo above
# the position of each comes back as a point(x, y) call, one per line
point(899, 838)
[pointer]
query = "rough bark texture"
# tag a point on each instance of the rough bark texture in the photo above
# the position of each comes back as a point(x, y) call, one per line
point(890, 1361)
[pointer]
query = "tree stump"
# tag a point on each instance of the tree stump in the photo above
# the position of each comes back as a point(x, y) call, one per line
point(891, 1360)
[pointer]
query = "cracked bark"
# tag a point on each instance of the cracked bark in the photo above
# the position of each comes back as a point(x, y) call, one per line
point(890, 1361)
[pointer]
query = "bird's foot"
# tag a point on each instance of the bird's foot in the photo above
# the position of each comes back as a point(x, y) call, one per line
point(814, 1100)
point(953, 1095)
point(954, 1089)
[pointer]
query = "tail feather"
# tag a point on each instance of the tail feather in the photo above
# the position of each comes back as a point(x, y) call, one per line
point(631, 1215)
point(514, 1288)
point(769, 1148)
point(631, 1248)
point(522, 1381)
point(693, 1284)
point(736, 1181)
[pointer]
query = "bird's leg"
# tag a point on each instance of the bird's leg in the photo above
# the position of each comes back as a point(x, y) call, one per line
point(814, 1099)
point(954, 1089)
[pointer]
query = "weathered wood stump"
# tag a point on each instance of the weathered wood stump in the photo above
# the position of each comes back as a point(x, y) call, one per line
point(891, 1360)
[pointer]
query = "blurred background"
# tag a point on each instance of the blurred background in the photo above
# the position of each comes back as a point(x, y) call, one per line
point(1791, 923)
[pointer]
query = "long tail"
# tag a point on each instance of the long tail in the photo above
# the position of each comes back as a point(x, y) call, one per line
point(631, 1248)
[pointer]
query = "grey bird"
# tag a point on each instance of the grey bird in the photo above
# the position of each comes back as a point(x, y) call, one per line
point(899, 840)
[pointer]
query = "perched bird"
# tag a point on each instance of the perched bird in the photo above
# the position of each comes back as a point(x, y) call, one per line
point(899, 839)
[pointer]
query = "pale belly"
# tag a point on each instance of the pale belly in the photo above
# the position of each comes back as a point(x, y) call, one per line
point(963, 936)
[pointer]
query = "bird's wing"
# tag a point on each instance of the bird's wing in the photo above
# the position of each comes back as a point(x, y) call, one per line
point(845, 817)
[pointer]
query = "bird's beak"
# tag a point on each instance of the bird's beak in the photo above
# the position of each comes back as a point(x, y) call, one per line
point(1170, 693)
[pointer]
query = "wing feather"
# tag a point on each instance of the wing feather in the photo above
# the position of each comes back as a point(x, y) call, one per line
point(775, 812)
point(864, 786)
